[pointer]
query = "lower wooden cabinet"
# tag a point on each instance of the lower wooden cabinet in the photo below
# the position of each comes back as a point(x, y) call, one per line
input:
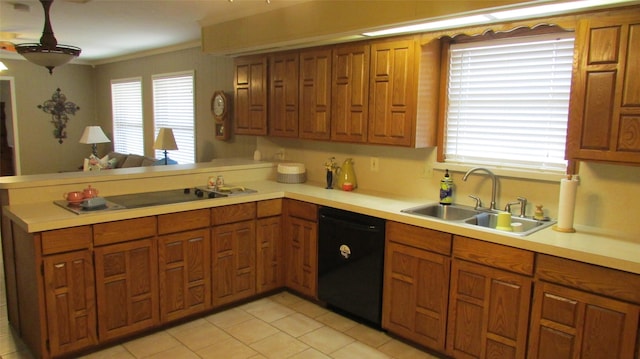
point(572, 324)
point(70, 300)
point(270, 268)
point(184, 273)
point(301, 247)
point(416, 284)
point(127, 287)
point(233, 261)
point(489, 300)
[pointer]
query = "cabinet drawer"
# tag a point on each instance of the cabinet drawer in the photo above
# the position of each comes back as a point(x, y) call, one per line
point(272, 207)
point(233, 213)
point(302, 210)
point(423, 238)
point(65, 240)
point(589, 277)
point(183, 221)
point(494, 255)
point(122, 231)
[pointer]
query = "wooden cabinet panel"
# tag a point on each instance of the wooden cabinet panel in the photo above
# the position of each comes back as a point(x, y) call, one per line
point(423, 238)
point(571, 324)
point(268, 208)
point(315, 94)
point(125, 230)
point(71, 304)
point(350, 93)
point(269, 263)
point(185, 273)
point(233, 261)
point(250, 102)
point(283, 94)
point(494, 255)
point(416, 288)
point(393, 93)
point(127, 287)
point(66, 239)
point(301, 252)
point(183, 221)
point(233, 213)
point(488, 312)
point(604, 110)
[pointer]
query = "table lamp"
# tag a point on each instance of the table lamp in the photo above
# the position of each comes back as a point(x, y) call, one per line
point(165, 141)
point(93, 135)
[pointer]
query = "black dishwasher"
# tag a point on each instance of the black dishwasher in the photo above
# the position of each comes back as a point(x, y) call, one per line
point(350, 263)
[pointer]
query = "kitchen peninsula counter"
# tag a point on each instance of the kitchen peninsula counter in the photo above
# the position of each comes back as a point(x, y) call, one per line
point(590, 245)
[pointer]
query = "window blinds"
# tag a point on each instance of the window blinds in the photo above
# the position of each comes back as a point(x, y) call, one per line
point(173, 107)
point(126, 102)
point(508, 102)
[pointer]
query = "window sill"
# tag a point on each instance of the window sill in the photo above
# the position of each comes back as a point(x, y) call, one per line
point(503, 172)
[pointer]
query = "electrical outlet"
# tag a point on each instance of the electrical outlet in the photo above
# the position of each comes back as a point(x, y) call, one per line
point(375, 165)
point(280, 154)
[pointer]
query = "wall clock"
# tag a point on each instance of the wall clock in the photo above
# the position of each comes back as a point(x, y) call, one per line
point(220, 110)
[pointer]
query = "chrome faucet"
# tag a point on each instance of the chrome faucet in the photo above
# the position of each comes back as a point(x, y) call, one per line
point(493, 186)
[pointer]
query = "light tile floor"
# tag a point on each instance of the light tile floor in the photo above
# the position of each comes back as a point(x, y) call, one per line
point(280, 326)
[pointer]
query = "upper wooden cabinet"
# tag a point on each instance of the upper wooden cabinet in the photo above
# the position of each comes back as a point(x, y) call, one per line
point(604, 112)
point(315, 94)
point(283, 94)
point(250, 103)
point(350, 93)
point(393, 92)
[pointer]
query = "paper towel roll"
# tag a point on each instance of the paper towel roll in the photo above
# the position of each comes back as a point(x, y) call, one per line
point(566, 205)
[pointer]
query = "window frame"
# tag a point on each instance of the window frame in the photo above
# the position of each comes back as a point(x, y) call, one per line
point(115, 140)
point(439, 160)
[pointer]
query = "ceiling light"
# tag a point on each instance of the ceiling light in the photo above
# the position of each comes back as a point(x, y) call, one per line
point(525, 12)
point(48, 53)
point(432, 25)
point(552, 8)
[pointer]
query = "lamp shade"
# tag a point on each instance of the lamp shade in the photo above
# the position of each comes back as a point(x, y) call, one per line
point(165, 140)
point(93, 134)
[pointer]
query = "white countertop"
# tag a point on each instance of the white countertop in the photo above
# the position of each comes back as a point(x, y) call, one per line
point(591, 245)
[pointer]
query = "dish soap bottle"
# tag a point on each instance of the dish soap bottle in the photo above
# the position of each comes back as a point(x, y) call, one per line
point(446, 189)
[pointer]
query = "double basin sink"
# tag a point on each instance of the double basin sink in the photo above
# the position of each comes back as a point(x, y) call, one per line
point(478, 217)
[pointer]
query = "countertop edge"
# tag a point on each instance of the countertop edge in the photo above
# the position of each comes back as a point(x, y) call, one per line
point(587, 245)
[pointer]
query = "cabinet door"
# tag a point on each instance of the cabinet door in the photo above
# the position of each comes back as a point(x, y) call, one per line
point(301, 251)
point(234, 262)
point(350, 93)
point(315, 94)
point(127, 287)
point(283, 95)
point(70, 299)
point(488, 312)
point(416, 289)
point(393, 93)
point(571, 324)
point(604, 112)
point(185, 273)
point(269, 260)
point(250, 101)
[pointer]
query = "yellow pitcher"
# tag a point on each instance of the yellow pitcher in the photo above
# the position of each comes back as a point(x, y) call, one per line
point(347, 176)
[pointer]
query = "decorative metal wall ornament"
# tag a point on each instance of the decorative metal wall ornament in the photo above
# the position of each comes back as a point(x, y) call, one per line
point(60, 110)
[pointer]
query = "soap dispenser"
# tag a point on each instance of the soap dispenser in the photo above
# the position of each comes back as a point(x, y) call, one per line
point(446, 189)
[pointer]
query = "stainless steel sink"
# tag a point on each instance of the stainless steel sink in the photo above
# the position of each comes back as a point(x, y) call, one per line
point(467, 215)
point(449, 212)
point(521, 226)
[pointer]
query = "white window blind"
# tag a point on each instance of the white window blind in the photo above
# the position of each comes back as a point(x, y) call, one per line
point(173, 107)
point(508, 102)
point(126, 102)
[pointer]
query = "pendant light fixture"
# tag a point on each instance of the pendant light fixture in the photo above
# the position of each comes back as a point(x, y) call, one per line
point(48, 53)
